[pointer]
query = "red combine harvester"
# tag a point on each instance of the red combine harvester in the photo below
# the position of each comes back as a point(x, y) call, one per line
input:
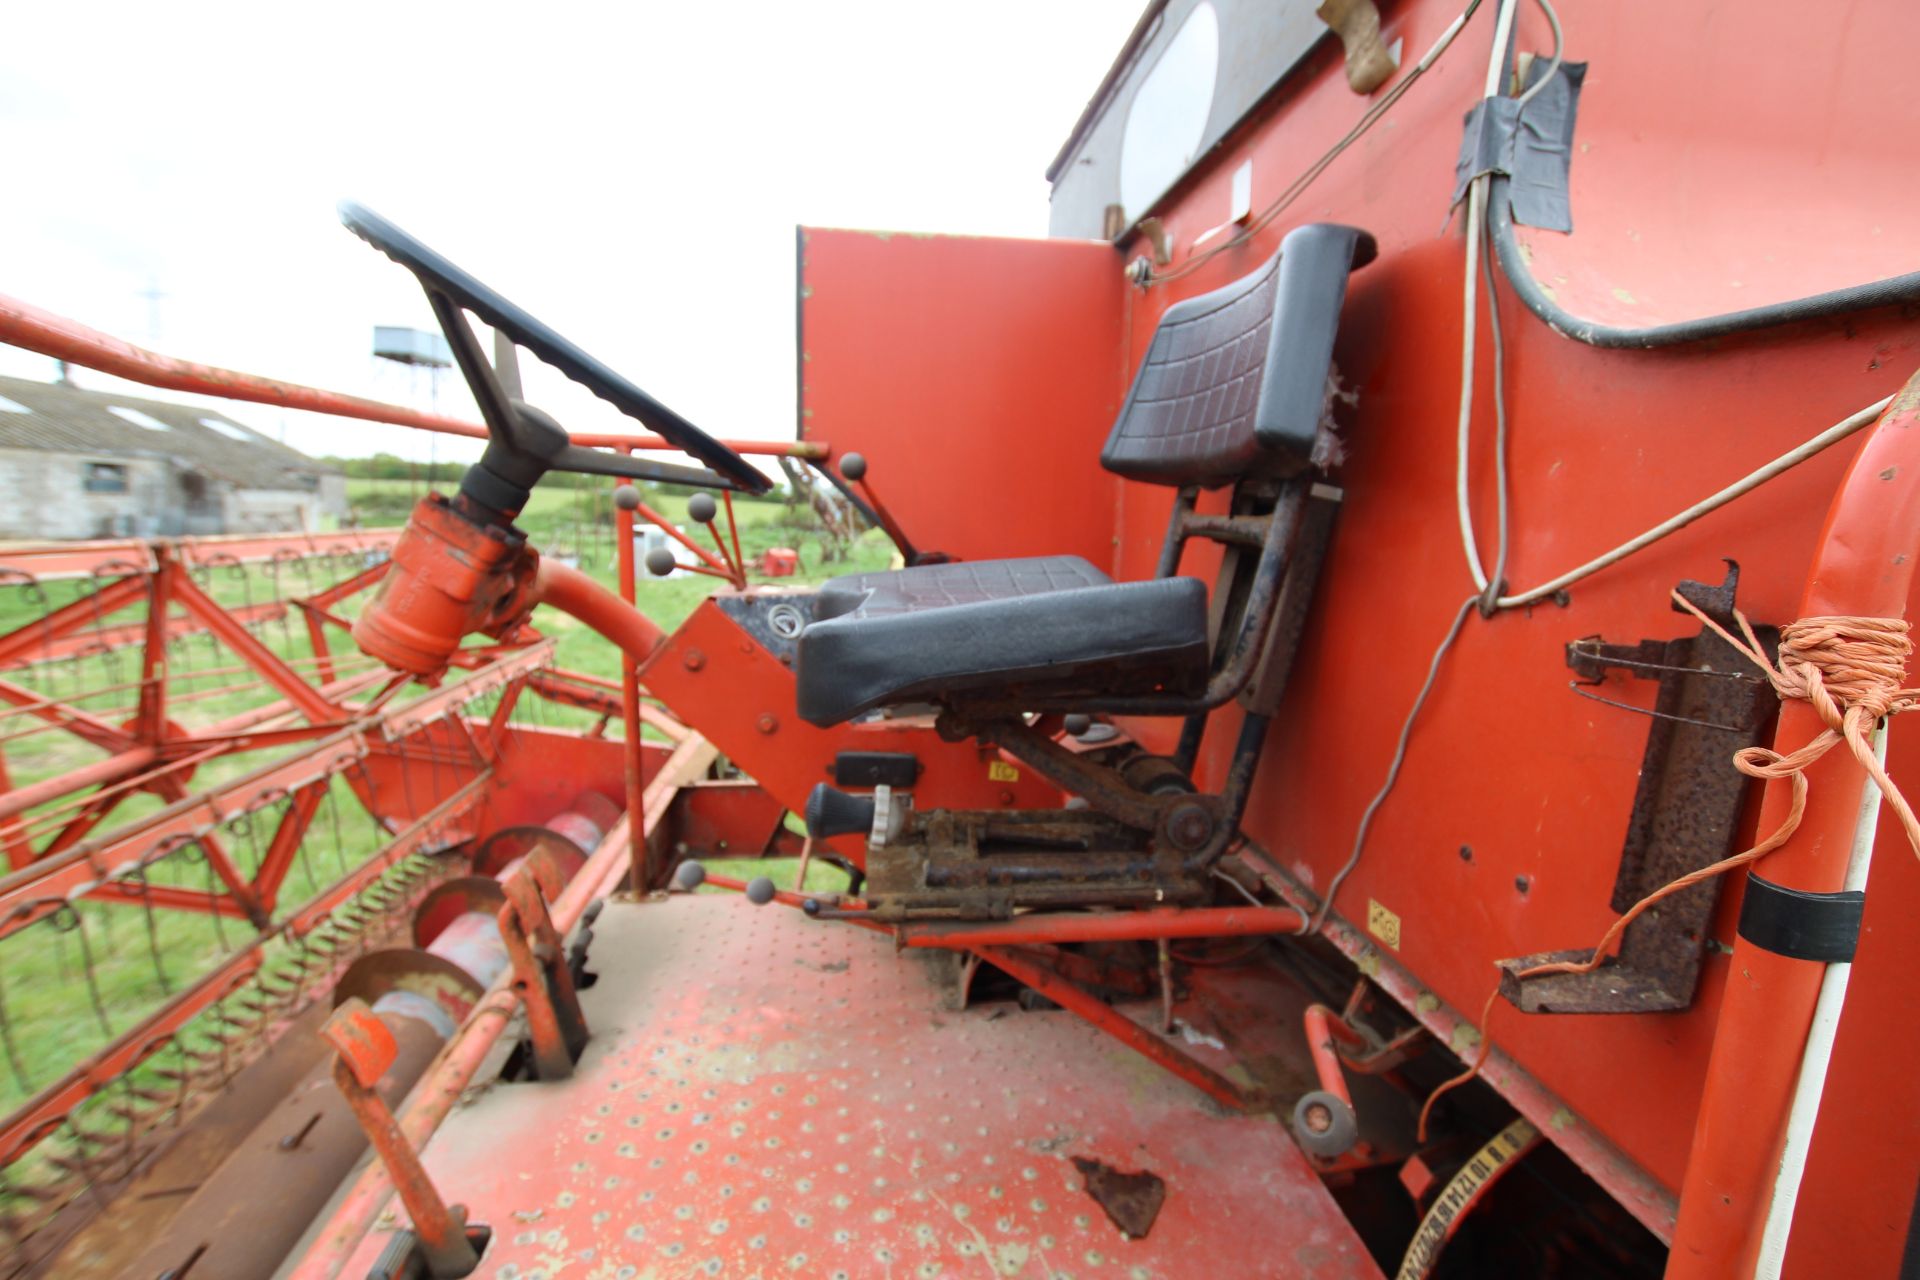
point(1369, 763)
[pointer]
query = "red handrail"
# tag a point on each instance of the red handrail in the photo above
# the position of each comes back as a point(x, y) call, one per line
point(27, 326)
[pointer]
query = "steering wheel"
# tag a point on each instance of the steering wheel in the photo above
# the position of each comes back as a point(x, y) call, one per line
point(524, 443)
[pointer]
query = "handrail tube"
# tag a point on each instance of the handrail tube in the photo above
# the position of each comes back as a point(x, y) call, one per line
point(33, 329)
point(1863, 566)
point(578, 596)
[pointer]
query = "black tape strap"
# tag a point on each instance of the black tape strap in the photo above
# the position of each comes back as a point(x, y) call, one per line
point(1801, 925)
point(1532, 146)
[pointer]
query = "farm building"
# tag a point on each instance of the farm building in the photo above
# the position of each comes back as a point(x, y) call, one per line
point(97, 464)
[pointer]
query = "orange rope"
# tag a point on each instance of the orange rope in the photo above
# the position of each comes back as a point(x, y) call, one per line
point(1850, 670)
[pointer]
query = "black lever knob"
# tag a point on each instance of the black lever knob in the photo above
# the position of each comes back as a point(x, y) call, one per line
point(835, 813)
point(701, 508)
point(854, 467)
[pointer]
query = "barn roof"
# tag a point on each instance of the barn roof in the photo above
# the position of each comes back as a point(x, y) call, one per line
point(61, 418)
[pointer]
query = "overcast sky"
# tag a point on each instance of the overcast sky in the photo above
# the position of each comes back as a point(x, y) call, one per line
point(630, 173)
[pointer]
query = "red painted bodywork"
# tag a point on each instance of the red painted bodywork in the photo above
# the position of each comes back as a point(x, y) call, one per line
point(991, 381)
point(1506, 761)
point(978, 378)
point(713, 674)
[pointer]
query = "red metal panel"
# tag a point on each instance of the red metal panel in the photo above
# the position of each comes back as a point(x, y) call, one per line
point(978, 377)
point(712, 674)
point(1533, 783)
point(1815, 211)
point(769, 1095)
point(1507, 762)
point(25, 325)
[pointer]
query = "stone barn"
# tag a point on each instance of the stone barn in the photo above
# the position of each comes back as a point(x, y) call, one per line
point(100, 464)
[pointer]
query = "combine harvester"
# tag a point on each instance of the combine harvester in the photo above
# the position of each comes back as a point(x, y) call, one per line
point(1370, 766)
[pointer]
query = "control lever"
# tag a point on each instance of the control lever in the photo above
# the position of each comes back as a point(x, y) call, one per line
point(880, 817)
point(835, 813)
point(853, 468)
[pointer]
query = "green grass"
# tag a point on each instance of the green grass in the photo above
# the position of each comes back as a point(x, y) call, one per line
point(59, 984)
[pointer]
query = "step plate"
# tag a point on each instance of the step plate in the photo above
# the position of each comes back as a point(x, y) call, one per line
point(766, 1095)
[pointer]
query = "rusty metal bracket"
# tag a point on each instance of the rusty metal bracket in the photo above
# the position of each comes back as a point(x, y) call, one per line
point(540, 973)
point(366, 1048)
point(1710, 704)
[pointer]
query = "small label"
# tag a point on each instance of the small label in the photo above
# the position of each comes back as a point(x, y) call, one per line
point(1001, 771)
point(1383, 924)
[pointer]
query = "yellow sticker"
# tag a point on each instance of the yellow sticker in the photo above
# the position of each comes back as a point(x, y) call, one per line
point(1001, 771)
point(1383, 924)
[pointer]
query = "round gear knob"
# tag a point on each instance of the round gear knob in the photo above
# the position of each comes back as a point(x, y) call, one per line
point(660, 562)
point(760, 891)
point(626, 497)
point(701, 508)
point(854, 466)
point(688, 876)
point(1325, 1125)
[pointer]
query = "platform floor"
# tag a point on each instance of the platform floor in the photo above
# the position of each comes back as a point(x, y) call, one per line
point(768, 1096)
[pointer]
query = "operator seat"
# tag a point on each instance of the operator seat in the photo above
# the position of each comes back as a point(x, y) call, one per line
point(1233, 390)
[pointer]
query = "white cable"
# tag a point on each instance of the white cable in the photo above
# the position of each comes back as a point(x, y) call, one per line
point(1812, 1082)
point(1831, 436)
point(1497, 59)
point(1559, 49)
point(1469, 307)
point(1469, 322)
point(1479, 191)
point(1496, 578)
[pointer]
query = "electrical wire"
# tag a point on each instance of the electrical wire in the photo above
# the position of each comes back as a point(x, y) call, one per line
point(1298, 186)
point(1463, 427)
point(1496, 580)
point(1478, 253)
point(1319, 917)
point(1753, 480)
point(1559, 48)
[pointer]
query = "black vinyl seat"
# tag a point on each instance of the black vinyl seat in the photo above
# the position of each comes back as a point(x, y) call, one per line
point(1234, 388)
point(936, 629)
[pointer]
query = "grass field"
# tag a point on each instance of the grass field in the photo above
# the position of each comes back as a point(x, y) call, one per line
point(68, 984)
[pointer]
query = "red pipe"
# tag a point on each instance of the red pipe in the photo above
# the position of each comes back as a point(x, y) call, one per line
point(1110, 926)
point(27, 326)
point(102, 772)
point(1864, 566)
point(637, 868)
point(1323, 1027)
point(447, 1076)
point(1124, 1029)
point(578, 596)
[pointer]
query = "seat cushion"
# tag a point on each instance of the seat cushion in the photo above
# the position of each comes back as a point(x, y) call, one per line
point(931, 586)
point(1052, 626)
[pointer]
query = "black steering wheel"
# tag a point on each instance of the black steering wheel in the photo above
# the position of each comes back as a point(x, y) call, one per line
point(524, 443)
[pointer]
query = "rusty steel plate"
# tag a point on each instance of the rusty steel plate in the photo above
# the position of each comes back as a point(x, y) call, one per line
point(766, 1095)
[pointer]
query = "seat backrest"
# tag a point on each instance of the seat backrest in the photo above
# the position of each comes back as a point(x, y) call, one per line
point(1235, 381)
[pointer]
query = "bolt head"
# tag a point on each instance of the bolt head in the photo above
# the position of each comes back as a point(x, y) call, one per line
point(767, 723)
point(1317, 1117)
point(693, 659)
point(1190, 826)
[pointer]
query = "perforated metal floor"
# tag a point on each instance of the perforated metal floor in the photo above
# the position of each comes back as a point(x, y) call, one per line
point(768, 1096)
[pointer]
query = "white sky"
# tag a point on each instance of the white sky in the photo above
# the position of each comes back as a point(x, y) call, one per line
point(630, 173)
